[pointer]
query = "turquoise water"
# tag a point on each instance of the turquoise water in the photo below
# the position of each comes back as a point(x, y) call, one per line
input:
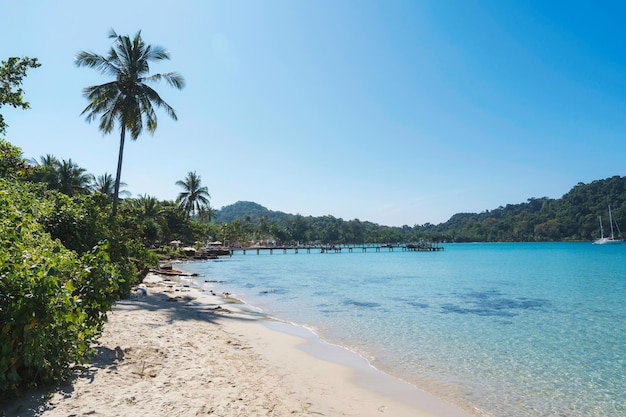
point(501, 330)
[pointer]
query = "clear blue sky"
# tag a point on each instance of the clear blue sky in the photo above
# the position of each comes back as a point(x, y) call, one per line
point(396, 112)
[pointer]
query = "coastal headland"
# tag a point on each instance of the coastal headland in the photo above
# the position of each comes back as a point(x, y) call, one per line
point(174, 350)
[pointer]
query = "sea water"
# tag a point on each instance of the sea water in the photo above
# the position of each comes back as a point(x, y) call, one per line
point(499, 329)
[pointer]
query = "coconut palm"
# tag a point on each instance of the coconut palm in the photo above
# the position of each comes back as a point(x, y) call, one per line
point(48, 160)
point(149, 207)
point(206, 214)
point(73, 179)
point(127, 101)
point(46, 170)
point(195, 198)
point(105, 184)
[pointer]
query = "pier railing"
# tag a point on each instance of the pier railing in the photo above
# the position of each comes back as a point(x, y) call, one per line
point(406, 247)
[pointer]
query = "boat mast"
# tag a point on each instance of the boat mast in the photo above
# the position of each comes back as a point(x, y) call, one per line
point(601, 228)
point(611, 220)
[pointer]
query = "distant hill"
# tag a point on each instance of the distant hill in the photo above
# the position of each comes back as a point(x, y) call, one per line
point(574, 216)
point(242, 209)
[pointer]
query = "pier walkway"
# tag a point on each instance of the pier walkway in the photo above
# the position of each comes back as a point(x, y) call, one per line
point(408, 247)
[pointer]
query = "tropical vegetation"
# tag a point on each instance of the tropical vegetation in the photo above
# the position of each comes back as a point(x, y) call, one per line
point(194, 200)
point(63, 263)
point(64, 260)
point(105, 184)
point(573, 217)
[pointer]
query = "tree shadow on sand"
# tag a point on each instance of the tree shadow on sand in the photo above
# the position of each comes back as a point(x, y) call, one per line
point(177, 305)
point(37, 401)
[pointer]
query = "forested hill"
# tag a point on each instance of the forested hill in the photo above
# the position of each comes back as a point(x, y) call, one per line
point(246, 209)
point(572, 217)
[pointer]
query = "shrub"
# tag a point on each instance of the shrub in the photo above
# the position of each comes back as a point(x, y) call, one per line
point(53, 302)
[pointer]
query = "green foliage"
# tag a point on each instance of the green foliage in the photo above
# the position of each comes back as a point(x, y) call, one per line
point(52, 301)
point(128, 100)
point(61, 175)
point(12, 73)
point(43, 330)
point(11, 162)
point(97, 284)
point(105, 184)
point(574, 217)
point(73, 180)
point(80, 222)
point(63, 263)
point(241, 209)
point(156, 223)
point(195, 198)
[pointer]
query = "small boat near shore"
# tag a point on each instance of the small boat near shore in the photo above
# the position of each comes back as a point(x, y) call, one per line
point(608, 240)
point(163, 271)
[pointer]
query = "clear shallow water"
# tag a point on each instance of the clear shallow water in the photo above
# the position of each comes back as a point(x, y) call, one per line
point(502, 330)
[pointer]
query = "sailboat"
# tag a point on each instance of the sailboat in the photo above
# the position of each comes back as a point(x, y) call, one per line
point(608, 240)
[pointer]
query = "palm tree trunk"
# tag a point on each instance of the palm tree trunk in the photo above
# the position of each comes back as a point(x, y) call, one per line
point(118, 176)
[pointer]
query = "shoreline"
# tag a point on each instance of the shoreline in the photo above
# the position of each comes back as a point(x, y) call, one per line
point(180, 351)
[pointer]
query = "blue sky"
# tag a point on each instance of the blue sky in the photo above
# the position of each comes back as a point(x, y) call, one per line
point(395, 112)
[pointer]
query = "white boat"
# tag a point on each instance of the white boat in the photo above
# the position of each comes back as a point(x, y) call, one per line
point(608, 240)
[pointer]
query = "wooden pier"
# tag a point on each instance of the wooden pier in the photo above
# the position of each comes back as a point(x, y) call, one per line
point(408, 247)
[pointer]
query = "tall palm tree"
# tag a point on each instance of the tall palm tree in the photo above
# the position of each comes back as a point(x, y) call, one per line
point(195, 198)
point(128, 100)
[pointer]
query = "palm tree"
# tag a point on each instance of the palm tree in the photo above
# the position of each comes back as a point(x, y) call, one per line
point(195, 198)
point(48, 160)
point(206, 214)
point(46, 170)
point(73, 179)
point(105, 184)
point(151, 216)
point(149, 206)
point(128, 100)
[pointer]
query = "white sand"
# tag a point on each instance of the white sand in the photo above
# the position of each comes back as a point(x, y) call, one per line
point(180, 352)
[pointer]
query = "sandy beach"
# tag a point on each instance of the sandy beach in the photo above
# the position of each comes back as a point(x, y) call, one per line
point(177, 351)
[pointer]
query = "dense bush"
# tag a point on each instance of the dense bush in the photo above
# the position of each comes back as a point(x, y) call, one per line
point(53, 300)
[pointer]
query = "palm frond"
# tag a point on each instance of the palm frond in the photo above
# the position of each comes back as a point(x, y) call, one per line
point(173, 79)
point(98, 62)
point(126, 101)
